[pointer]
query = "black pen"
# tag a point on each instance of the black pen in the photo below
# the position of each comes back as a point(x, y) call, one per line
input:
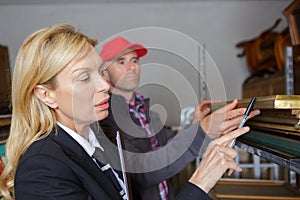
point(246, 114)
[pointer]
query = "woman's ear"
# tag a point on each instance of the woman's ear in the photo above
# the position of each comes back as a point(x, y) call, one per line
point(45, 95)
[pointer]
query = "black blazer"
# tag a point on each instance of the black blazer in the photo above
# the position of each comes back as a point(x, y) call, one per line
point(57, 167)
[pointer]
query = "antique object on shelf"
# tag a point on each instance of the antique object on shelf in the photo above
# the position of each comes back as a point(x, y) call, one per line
point(274, 134)
point(277, 114)
point(265, 56)
point(296, 57)
point(292, 13)
point(259, 51)
point(4, 127)
point(283, 41)
point(269, 83)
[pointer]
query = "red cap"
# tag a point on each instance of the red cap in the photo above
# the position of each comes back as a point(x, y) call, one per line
point(117, 46)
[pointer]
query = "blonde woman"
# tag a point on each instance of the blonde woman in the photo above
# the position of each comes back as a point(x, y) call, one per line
point(58, 91)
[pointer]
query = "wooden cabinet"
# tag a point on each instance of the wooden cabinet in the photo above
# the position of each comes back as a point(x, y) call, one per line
point(5, 81)
point(269, 84)
point(274, 136)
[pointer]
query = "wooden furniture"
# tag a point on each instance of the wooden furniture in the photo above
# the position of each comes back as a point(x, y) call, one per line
point(259, 51)
point(253, 189)
point(5, 84)
point(4, 132)
point(269, 84)
point(275, 136)
point(292, 13)
point(4, 127)
point(275, 133)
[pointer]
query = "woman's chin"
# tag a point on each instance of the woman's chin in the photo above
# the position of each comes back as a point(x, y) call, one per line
point(102, 115)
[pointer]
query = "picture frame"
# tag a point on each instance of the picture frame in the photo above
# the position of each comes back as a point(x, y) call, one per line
point(292, 14)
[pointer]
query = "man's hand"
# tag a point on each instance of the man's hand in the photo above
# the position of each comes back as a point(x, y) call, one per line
point(224, 120)
point(202, 110)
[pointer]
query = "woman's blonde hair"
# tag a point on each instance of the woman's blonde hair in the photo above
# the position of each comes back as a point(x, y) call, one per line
point(41, 57)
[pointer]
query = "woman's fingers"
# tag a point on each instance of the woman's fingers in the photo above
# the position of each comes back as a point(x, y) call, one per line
point(236, 118)
point(224, 120)
point(217, 161)
point(225, 139)
point(233, 166)
point(228, 107)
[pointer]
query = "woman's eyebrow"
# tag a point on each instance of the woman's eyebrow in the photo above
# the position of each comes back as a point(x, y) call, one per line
point(77, 70)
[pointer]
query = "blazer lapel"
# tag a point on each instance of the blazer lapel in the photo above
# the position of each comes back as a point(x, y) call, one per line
point(111, 154)
point(75, 152)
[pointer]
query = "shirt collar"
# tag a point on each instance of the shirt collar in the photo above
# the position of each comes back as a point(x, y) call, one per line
point(87, 145)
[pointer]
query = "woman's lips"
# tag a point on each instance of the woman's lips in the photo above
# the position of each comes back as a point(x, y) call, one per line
point(103, 104)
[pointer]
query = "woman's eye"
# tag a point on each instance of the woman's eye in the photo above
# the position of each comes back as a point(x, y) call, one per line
point(84, 79)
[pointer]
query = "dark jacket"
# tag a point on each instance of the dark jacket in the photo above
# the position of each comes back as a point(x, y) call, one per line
point(58, 168)
point(147, 167)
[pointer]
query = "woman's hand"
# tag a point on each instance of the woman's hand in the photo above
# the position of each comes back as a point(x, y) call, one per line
point(224, 120)
point(217, 159)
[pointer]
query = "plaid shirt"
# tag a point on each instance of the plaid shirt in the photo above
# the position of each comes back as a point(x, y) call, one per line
point(138, 109)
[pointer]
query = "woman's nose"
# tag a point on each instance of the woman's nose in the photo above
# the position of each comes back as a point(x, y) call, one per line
point(102, 85)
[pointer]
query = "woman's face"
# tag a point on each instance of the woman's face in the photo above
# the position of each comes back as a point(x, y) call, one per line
point(82, 94)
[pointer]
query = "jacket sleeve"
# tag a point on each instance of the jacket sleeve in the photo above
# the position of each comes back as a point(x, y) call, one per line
point(190, 191)
point(152, 167)
point(35, 180)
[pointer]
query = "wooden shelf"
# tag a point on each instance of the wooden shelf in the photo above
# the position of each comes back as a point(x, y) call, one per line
point(275, 148)
point(240, 189)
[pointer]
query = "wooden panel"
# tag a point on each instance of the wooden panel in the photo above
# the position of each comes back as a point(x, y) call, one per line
point(292, 13)
point(279, 113)
point(270, 84)
point(254, 189)
point(274, 102)
point(5, 83)
point(5, 121)
point(264, 86)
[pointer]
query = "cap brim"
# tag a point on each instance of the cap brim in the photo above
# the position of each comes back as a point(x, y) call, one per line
point(139, 49)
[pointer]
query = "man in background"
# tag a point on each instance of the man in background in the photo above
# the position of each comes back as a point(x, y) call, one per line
point(164, 153)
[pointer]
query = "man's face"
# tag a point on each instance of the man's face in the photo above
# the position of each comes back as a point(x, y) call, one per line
point(124, 72)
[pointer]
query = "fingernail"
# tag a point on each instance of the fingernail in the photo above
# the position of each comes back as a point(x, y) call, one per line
point(246, 128)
